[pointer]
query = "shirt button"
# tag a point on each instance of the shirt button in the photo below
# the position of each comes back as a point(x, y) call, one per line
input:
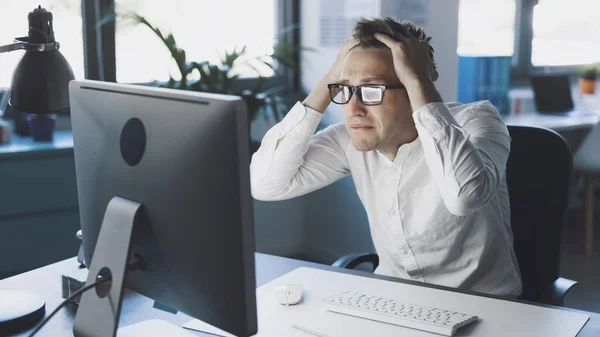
point(394, 170)
point(392, 212)
point(403, 251)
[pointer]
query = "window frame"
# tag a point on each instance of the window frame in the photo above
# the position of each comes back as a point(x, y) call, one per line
point(98, 44)
point(100, 50)
point(522, 67)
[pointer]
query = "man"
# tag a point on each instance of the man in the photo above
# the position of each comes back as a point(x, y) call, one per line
point(431, 175)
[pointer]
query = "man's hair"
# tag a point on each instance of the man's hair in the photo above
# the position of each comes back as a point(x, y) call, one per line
point(365, 29)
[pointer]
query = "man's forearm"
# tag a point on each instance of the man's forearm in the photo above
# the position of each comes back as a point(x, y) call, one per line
point(319, 99)
point(422, 92)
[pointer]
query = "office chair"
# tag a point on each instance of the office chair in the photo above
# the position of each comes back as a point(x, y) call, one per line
point(538, 174)
point(587, 161)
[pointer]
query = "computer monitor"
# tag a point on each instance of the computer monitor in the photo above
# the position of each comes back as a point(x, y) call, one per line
point(552, 93)
point(163, 177)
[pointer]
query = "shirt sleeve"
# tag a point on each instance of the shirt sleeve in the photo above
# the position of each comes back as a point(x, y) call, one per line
point(468, 161)
point(291, 161)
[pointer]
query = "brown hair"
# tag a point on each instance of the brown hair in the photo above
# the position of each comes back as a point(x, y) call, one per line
point(365, 29)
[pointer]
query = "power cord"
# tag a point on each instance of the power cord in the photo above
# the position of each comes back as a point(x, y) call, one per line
point(136, 263)
point(75, 294)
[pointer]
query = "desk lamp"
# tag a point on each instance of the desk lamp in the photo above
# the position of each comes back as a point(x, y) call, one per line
point(40, 82)
point(40, 87)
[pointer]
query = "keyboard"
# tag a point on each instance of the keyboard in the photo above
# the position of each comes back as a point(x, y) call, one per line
point(440, 321)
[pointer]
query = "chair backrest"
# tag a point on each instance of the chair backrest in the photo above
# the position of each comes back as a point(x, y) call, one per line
point(538, 174)
point(587, 158)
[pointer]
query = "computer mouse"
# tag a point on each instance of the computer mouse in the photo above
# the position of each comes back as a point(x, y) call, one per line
point(288, 294)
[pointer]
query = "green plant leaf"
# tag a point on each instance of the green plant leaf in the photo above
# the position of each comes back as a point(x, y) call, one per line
point(230, 58)
point(589, 72)
point(223, 76)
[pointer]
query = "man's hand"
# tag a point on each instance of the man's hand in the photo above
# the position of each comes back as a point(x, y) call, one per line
point(335, 72)
point(319, 99)
point(414, 68)
point(411, 58)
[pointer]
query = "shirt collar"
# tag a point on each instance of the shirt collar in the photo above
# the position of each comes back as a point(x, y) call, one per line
point(404, 150)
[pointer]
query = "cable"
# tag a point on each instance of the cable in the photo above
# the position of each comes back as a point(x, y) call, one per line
point(75, 294)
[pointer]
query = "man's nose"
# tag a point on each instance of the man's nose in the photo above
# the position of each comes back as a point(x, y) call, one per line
point(355, 107)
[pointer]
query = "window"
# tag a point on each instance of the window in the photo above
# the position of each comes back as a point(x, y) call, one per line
point(486, 27)
point(565, 32)
point(549, 33)
point(204, 29)
point(67, 30)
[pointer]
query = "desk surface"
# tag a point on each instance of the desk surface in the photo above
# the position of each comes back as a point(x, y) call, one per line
point(19, 146)
point(578, 119)
point(46, 282)
point(585, 115)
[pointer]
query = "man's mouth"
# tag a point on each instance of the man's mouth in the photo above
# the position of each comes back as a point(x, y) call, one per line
point(360, 127)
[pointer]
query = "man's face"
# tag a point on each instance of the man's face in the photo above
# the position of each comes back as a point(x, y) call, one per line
point(376, 127)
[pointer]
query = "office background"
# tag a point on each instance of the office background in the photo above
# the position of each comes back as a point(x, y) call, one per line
point(38, 207)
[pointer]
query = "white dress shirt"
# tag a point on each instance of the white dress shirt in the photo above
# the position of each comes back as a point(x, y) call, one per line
point(439, 213)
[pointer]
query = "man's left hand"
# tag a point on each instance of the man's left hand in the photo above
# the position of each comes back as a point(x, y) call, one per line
point(414, 68)
point(412, 61)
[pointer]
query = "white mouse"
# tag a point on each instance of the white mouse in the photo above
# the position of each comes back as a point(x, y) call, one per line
point(288, 294)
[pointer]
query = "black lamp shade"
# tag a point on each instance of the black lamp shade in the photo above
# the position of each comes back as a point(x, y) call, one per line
point(40, 83)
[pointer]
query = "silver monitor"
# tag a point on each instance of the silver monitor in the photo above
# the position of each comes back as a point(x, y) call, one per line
point(163, 180)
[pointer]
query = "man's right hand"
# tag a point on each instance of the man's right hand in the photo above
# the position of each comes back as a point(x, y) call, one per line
point(319, 99)
point(336, 69)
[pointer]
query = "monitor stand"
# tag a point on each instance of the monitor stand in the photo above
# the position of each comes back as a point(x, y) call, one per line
point(99, 309)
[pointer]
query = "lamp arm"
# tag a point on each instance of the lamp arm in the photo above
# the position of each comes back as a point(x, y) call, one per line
point(12, 47)
point(22, 43)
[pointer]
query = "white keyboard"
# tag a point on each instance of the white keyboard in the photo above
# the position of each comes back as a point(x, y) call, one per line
point(390, 311)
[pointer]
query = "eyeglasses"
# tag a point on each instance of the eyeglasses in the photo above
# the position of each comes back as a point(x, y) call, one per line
point(367, 94)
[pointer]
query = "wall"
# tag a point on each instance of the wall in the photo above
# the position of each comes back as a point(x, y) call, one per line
point(38, 209)
point(278, 227)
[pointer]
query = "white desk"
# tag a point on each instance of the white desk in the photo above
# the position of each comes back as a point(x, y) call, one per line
point(584, 117)
point(573, 126)
point(576, 120)
point(136, 307)
point(497, 318)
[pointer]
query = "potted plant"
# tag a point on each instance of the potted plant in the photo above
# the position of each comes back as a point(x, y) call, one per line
point(271, 102)
point(588, 76)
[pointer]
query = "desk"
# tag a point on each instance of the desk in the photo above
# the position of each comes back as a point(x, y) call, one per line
point(576, 120)
point(573, 126)
point(46, 282)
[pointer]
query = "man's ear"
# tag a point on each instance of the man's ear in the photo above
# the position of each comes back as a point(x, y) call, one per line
point(435, 75)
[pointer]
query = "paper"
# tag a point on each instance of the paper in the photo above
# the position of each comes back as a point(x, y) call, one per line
point(198, 325)
point(153, 327)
